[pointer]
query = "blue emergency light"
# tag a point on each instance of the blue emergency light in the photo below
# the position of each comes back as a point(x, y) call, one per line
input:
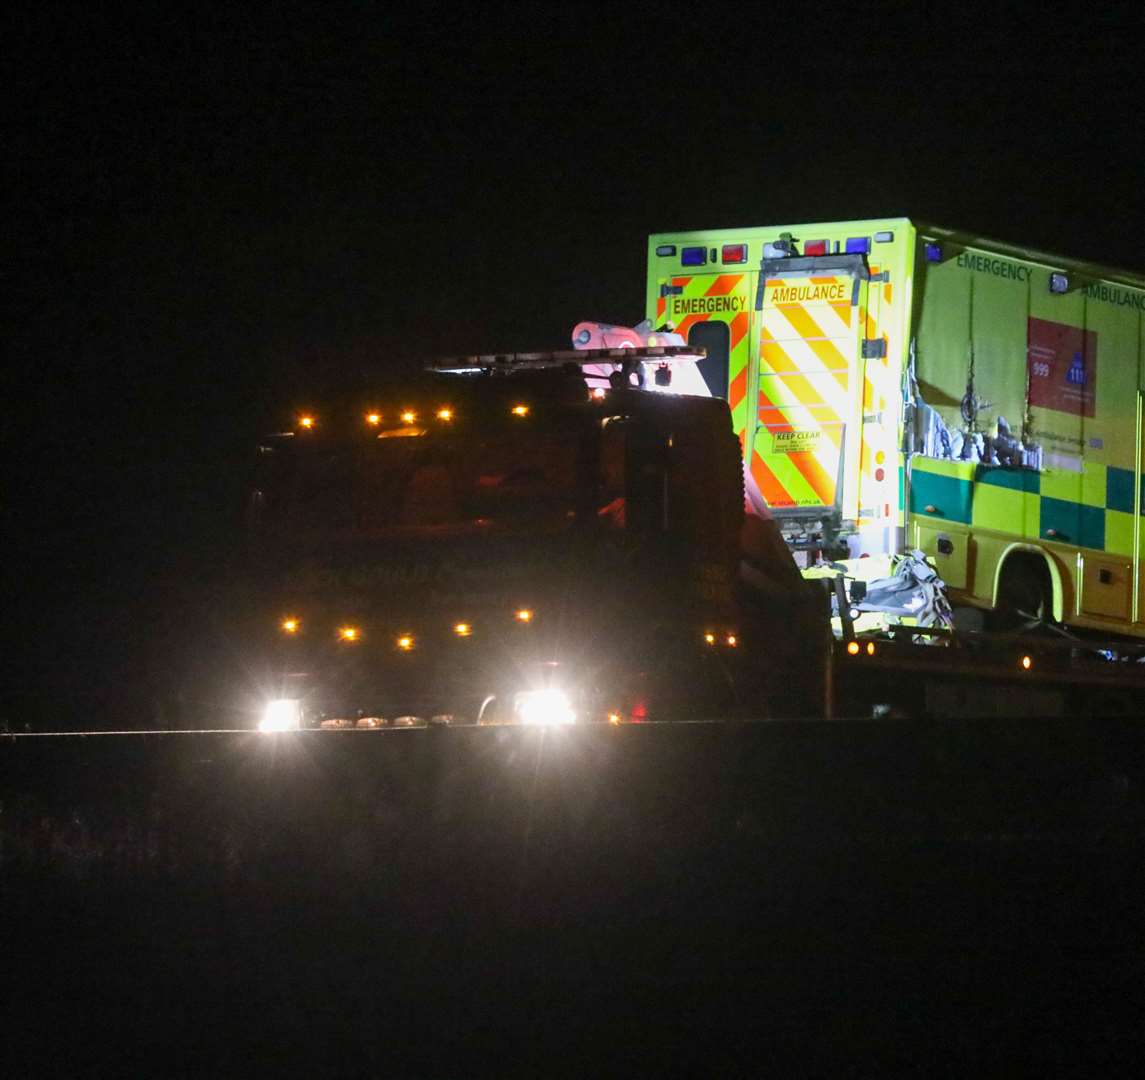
point(934, 253)
point(858, 245)
point(693, 256)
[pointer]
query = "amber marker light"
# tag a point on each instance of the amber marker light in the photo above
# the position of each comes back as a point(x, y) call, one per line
point(290, 625)
point(445, 414)
point(405, 643)
point(520, 410)
point(373, 418)
point(614, 718)
point(732, 640)
point(306, 422)
point(524, 615)
point(596, 393)
point(1027, 663)
point(853, 648)
point(349, 633)
point(408, 416)
point(462, 629)
point(870, 648)
point(710, 638)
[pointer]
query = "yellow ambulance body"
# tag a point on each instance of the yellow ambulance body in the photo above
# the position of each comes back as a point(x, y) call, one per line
point(897, 385)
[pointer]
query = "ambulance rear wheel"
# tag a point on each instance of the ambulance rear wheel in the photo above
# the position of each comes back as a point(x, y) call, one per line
point(1025, 596)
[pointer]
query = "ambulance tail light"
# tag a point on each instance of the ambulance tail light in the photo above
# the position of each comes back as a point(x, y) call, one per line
point(815, 247)
point(858, 245)
point(734, 253)
point(693, 256)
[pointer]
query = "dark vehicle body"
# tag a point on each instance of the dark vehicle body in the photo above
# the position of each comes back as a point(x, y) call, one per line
point(479, 540)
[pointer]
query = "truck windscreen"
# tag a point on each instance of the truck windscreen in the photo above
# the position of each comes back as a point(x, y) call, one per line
point(524, 478)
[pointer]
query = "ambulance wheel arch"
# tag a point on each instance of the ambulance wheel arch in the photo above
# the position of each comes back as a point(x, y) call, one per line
point(1023, 571)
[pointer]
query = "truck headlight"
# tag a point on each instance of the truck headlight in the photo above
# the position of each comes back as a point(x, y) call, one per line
point(281, 714)
point(543, 707)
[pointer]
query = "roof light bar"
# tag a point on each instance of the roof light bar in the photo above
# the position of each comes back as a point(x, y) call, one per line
point(505, 363)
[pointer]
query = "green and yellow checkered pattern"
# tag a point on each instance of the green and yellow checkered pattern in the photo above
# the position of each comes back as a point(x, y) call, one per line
point(1090, 509)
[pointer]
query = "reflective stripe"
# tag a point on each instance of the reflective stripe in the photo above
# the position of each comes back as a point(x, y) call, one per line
point(738, 322)
point(1092, 510)
point(807, 395)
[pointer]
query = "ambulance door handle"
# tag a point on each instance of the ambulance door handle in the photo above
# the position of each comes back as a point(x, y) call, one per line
point(1051, 532)
point(930, 508)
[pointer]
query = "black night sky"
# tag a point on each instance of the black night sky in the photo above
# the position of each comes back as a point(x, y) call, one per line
point(216, 214)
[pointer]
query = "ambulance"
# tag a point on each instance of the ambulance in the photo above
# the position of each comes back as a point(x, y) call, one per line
point(897, 386)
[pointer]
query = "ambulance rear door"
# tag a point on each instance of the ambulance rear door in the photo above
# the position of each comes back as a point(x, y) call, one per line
point(710, 304)
point(805, 446)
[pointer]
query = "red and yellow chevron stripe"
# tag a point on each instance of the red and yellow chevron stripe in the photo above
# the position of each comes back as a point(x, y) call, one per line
point(726, 298)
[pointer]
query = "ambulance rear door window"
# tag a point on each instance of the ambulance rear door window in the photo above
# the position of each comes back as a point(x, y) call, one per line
point(716, 338)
